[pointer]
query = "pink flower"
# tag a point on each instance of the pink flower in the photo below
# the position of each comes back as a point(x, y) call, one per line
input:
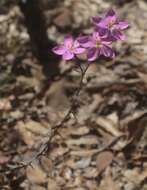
point(112, 24)
point(69, 48)
point(107, 30)
point(96, 45)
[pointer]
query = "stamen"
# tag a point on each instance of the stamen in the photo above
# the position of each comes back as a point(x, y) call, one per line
point(97, 44)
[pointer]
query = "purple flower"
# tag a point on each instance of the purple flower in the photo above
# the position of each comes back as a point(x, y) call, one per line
point(112, 24)
point(96, 45)
point(69, 48)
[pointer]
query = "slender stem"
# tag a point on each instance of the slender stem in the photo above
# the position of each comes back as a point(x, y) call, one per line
point(83, 72)
point(54, 130)
point(74, 97)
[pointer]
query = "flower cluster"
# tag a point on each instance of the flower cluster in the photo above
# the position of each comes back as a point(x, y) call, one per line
point(106, 30)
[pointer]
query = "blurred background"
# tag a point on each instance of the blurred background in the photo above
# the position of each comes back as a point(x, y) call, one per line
point(104, 146)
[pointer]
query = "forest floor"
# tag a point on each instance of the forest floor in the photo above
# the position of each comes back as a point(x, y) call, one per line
point(105, 145)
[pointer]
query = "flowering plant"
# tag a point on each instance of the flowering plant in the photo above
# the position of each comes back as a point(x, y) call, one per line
point(106, 31)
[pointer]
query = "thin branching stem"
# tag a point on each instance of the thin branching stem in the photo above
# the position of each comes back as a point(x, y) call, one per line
point(46, 146)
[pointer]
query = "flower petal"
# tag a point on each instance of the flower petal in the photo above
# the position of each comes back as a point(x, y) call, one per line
point(68, 42)
point(92, 54)
point(110, 17)
point(59, 50)
point(96, 19)
point(76, 44)
point(96, 36)
point(103, 32)
point(107, 51)
point(110, 12)
point(85, 41)
point(110, 20)
point(118, 35)
point(79, 50)
point(123, 25)
point(68, 55)
point(103, 23)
